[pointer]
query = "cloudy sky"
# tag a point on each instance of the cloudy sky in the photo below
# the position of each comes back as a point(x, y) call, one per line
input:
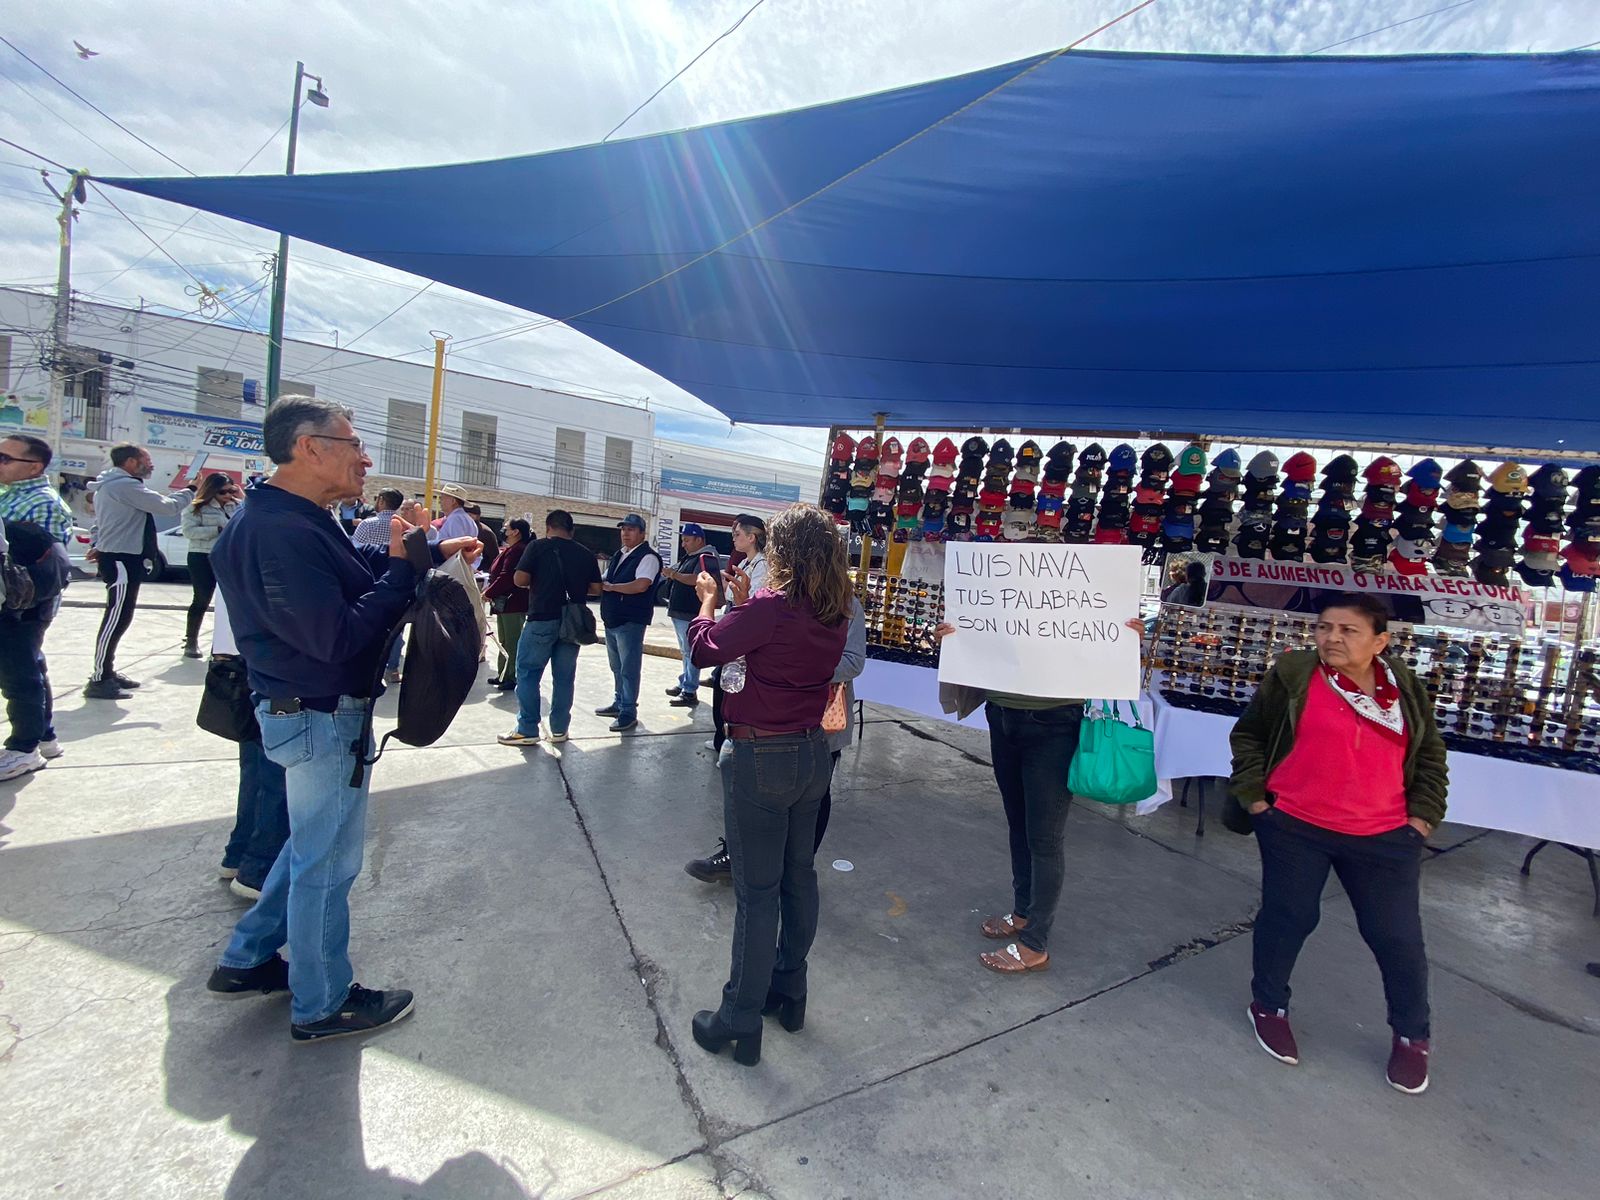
point(208, 84)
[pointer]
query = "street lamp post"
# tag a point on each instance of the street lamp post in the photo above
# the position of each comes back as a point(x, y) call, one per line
point(280, 278)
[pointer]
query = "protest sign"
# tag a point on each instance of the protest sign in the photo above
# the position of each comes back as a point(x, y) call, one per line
point(1415, 599)
point(1042, 620)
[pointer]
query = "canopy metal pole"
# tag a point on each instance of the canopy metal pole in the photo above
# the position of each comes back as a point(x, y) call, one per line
point(439, 340)
point(866, 539)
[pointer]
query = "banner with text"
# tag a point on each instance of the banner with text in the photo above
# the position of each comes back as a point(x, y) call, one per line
point(187, 431)
point(1042, 620)
point(1415, 599)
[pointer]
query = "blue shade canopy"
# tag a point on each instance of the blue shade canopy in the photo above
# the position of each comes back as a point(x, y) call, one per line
point(1391, 250)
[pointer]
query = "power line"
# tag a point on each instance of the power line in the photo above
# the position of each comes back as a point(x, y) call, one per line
point(1395, 25)
point(84, 99)
point(683, 69)
point(34, 153)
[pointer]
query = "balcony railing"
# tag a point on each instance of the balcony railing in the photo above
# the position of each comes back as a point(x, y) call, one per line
point(471, 469)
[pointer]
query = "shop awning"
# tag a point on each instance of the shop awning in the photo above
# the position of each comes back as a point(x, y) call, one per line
point(1371, 249)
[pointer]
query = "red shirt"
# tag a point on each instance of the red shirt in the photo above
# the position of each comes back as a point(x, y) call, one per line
point(1345, 772)
point(789, 655)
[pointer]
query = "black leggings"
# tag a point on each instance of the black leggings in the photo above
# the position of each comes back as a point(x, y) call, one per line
point(205, 587)
point(719, 727)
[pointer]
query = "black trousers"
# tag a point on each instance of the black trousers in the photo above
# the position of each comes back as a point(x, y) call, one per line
point(1032, 751)
point(205, 587)
point(1381, 874)
point(825, 809)
point(122, 574)
point(719, 731)
point(24, 677)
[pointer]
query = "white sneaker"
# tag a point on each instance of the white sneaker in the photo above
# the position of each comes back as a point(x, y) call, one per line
point(240, 888)
point(711, 746)
point(14, 763)
point(51, 749)
point(555, 739)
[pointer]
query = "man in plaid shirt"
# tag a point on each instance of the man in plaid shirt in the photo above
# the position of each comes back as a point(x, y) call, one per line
point(26, 496)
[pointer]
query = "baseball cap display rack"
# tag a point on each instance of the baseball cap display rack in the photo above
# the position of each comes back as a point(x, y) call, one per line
point(1535, 698)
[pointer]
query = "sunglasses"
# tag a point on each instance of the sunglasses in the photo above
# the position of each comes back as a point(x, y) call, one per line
point(7, 458)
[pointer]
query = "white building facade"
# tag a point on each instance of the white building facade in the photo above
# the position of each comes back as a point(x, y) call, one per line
point(194, 394)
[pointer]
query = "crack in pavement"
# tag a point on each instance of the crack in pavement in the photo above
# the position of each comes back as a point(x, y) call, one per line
point(1526, 1007)
point(650, 976)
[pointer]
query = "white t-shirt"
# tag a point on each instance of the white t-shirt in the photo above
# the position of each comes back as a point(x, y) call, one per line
point(222, 630)
point(650, 568)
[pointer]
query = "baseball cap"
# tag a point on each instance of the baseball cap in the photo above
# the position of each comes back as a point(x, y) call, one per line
point(974, 447)
point(1421, 498)
point(918, 451)
point(1191, 461)
point(1156, 458)
point(690, 529)
point(893, 454)
point(1227, 462)
point(1183, 484)
point(1093, 458)
point(1344, 468)
point(1509, 479)
point(1001, 453)
point(1383, 471)
point(1426, 474)
point(1213, 539)
point(1122, 459)
point(1465, 476)
point(1587, 481)
point(635, 521)
point(1549, 482)
point(1300, 467)
point(844, 448)
point(867, 449)
point(944, 453)
point(1263, 466)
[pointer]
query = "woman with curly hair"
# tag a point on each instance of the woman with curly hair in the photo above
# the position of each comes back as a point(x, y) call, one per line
point(791, 634)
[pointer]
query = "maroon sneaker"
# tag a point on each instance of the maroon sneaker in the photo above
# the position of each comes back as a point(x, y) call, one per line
point(1273, 1034)
point(1408, 1065)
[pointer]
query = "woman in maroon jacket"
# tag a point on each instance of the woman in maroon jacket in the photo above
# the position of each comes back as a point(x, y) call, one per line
point(508, 602)
point(790, 636)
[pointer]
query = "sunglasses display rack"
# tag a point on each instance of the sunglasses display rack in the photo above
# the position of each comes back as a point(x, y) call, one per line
point(902, 615)
point(1535, 694)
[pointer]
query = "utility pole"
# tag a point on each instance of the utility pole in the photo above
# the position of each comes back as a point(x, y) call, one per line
point(60, 329)
point(439, 339)
point(280, 277)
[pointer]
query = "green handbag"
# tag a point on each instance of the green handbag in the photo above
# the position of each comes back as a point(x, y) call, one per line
point(1115, 762)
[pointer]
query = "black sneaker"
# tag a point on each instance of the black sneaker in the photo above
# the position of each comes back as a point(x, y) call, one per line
point(124, 681)
point(716, 869)
point(260, 980)
point(363, 1010)
point(105, 689)
point(621, 726)
point(686, 701)
point(610, 710)
point(673, 691)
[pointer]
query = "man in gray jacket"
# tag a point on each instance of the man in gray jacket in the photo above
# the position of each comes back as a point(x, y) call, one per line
point(124, 536)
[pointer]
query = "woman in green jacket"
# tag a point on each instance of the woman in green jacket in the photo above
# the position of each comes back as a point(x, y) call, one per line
point(1341, 767)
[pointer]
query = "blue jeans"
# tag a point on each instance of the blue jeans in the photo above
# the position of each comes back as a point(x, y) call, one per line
point(625, 649)
point(1032, 752)
point(537, 648)
point(24, 678)
point(261, 822)
point(771, 790)
point(305, 900)
point(689, 680)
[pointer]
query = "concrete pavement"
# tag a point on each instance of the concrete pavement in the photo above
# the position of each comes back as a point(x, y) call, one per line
point(536, 903)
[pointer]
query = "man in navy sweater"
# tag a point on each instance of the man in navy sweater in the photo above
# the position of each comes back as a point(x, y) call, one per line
point(310, 613)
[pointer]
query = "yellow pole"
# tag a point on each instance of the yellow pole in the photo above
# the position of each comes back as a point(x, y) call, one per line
point(866, 540)
point(433, 418)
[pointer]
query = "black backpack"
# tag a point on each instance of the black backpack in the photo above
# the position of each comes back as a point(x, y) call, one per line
point(441, 662)
point(36, 566)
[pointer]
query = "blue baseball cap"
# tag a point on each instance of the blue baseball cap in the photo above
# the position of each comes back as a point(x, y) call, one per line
point(691, 530)
point(633, 520)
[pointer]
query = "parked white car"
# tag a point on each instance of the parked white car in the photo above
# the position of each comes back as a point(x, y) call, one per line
point(172, 555)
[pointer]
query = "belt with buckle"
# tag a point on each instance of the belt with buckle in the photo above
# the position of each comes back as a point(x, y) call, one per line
point(745, 733)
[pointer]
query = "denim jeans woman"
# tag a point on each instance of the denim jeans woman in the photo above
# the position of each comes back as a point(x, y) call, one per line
point(791, 636)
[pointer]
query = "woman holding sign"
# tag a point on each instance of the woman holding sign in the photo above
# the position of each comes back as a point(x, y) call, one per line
point(791, 635)
point(1340, 765)
point(1031, 743)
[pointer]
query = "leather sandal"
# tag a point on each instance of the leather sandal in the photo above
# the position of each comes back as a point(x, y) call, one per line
point(1001, 928)
point(1010, 961)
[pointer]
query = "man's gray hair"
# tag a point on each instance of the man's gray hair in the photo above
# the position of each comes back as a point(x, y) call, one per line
point(292, 417)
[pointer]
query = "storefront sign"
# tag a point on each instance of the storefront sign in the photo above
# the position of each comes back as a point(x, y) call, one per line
point(1042, 620)
point(186, 431)
point(1415, 599)
point(32, 414)
point(684, 483)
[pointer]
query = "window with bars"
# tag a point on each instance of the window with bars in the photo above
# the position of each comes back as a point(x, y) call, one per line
point(404, 454)
point(478, 461)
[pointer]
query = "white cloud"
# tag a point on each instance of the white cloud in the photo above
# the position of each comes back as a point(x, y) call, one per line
point(415, 83)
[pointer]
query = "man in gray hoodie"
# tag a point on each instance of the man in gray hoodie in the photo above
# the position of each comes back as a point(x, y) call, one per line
point(124, 536)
